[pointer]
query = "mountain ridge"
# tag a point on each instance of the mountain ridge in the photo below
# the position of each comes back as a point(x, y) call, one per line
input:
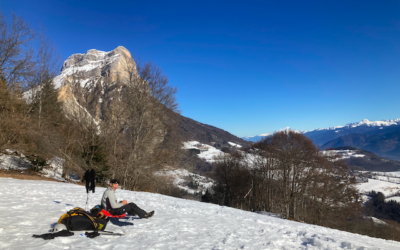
point(319, 136)
point(384, 145)
point(360, 159)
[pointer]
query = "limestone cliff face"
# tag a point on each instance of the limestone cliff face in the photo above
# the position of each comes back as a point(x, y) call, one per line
point(87, 81)
point(95, 63)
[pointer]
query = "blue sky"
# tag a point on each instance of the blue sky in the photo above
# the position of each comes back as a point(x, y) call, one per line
point(248, 67)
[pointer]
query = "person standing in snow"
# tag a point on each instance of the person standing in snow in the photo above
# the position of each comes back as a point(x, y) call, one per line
point(109, 203)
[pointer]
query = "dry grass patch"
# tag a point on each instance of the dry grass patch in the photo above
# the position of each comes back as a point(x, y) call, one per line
point(24, 175)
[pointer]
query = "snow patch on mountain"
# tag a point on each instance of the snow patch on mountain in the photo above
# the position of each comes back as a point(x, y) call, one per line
point(342, 154)
point(76, 63)
point(386, 188)
point(207, 152)
point(364, 122)
point(183, 177)
point(234, 144)
point(261, 136)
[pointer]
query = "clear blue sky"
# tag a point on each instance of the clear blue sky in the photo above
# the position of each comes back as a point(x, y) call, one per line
point(248, 67)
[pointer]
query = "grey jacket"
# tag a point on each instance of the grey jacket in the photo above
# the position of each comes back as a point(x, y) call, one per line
point(109, 200)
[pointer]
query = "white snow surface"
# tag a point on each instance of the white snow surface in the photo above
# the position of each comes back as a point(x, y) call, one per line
point(33, 207)
point(182, 176)
point(394, 198)
point(382, 123)
point(234, 144)
point(386, 188)
point(378, 221)
point(343, 154)
point(12, 162)
point(390, 174)
point(100, 61)
point(207, 152)
point(54, 169)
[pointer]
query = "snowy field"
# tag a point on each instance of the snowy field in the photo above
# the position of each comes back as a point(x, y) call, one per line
point(207, 152)
point(32, 207)
point(342, 154)
point(392, 174)
point(182, 176)
point(395, 198)
point(386, 188)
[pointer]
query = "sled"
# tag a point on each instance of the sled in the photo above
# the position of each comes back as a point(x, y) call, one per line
point(107, 214)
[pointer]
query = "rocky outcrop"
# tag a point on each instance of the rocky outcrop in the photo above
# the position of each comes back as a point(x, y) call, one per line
point(94, 64)
point(87, 81)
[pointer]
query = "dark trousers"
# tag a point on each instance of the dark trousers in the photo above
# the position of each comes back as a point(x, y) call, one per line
point(130, 208)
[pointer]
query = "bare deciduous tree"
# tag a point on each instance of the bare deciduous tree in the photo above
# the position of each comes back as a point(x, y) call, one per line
point(288, 175)
point(16, 51)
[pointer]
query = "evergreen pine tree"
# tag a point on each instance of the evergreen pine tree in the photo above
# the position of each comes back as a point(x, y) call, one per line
point(46, 107)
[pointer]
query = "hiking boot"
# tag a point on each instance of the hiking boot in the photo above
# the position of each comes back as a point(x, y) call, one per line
point(149, 214)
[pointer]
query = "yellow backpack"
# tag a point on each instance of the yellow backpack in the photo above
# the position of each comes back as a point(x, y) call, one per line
point(78, 219)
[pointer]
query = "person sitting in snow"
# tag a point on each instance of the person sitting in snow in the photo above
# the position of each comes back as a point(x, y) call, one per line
point(109, 203)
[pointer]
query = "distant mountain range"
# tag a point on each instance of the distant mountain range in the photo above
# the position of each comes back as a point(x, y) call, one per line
point(259, 137)
point(379, 137)
point(359, 159)
point(386, 145)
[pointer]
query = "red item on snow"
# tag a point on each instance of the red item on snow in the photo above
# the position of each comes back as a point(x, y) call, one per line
point(106, 213)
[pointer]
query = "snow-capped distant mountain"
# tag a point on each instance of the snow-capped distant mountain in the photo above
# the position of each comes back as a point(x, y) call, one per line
point(379, 137)
point(364, 122)
point(259, 137)
point(321, 136)
point(255, 138)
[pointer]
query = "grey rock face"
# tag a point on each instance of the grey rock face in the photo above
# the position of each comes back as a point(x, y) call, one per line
point(95, 63)
point(86, 80)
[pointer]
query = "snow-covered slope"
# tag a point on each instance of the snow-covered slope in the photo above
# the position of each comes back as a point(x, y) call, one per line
point(342, 154)
point(32, 207)
point(182, 178)
point(207, 152)
point(385, 187)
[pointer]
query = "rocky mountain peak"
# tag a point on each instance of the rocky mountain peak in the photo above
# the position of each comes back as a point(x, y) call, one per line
point(86, 80)
point(95, 63)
